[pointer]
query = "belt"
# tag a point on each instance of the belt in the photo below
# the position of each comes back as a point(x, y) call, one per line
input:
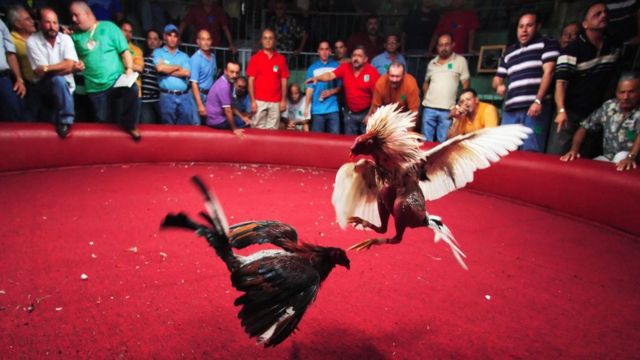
point(358, 112)
point(174, 92)
point(204, 91)
point(4, 73)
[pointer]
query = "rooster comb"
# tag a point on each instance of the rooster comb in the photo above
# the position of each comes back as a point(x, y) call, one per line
point(392, 127)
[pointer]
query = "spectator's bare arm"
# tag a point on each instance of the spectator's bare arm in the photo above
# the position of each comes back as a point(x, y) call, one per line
point(425, 86)
point(547, 76)
point(62, 68)
point(327, 76)
point(283, 91)
point(195, 89)
point(127, 61)
point(228, 114)
point(629, 162)
point(252, 96)
point(578, 138)
point(498, 85)
point(303, 40)
point(227, 33)
point(166, 68)
point(561, 117)
point(307, 106)
point(19, 87)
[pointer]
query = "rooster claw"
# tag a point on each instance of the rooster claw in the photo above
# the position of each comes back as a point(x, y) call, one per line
point(365, 245)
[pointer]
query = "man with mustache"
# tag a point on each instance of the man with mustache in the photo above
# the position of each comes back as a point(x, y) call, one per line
point(54, 59)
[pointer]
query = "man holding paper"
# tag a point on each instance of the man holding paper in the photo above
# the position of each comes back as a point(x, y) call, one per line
point(105, 53)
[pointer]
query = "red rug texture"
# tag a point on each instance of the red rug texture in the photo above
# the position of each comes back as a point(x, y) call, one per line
point(540, 285)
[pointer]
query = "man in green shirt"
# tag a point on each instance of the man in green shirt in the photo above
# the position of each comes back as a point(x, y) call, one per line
point(105, 53)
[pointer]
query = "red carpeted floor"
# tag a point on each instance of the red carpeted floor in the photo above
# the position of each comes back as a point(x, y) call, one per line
point(540, 285)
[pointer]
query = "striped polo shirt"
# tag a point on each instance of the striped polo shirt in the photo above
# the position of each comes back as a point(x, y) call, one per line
point(150, 90)
point(522, 66)
point(591, 76)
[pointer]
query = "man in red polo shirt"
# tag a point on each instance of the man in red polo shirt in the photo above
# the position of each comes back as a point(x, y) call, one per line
point(359, 81)
point(268, 74)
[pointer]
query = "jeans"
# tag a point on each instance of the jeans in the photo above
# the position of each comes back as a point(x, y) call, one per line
point(326, 123)
point(177, 109)
point(150, 113)
point(353, 124)
point(540, 126)
point(120, 103)
point(10, 103)
point(60, 104)
point(435, 122)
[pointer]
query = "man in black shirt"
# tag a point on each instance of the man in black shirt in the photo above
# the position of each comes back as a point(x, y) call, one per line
point(585, 77)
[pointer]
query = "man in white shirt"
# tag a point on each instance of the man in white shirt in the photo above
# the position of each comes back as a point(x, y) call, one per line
point(54, 60)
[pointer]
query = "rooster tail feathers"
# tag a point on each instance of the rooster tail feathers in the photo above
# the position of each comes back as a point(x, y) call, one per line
point(215, 214)
point(180, 220)
point(216, 236)
point(443, 233)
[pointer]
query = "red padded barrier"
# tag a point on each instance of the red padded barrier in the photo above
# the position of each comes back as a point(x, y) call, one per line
point(587, 189)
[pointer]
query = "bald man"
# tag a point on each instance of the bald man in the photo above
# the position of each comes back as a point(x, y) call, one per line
point(203, 71)
point(106, 56)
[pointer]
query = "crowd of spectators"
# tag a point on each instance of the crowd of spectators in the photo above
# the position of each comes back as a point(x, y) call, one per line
point(565, 90)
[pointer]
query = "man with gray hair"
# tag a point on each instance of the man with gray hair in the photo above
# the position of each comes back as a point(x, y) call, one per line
point(53, 59)
point(22, 27)
point(620, 118)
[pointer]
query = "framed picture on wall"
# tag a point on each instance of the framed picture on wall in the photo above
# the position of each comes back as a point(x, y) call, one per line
point(490, 58)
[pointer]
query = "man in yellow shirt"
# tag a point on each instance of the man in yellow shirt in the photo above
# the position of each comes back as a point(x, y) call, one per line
point(470, 114)
point(22, 26)
point(136, 53)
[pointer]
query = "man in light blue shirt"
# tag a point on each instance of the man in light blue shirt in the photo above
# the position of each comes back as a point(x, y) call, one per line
point(321, 97)
point(382, 61)
point(203, 72)
point(10, 104)
point(174, 71)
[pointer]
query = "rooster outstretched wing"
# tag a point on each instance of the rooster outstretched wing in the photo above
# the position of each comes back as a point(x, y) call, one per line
point(450, 165)
point(355, 193)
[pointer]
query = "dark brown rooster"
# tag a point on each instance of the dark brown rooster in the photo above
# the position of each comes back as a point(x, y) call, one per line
point(401, 175)
point(278, 285)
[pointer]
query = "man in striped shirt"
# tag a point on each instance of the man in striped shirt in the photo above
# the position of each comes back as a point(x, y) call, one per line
point(585, 77)
point(527, 67)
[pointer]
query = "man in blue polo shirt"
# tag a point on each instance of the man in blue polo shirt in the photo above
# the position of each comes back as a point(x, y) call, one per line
point(382, 61)
point(528, 69)
point(322, 98)
point(203, 70)
point(173, 72)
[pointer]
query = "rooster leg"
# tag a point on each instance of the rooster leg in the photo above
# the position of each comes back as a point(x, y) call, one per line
point(383, 213)
point(367, 244)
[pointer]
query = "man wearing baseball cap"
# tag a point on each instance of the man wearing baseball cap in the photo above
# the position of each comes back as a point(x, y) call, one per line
point(173, 79)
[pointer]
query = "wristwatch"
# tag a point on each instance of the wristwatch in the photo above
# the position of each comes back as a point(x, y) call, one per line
point(631, 156)
point(537, 101)
point(561, 110)
point(46, 68)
